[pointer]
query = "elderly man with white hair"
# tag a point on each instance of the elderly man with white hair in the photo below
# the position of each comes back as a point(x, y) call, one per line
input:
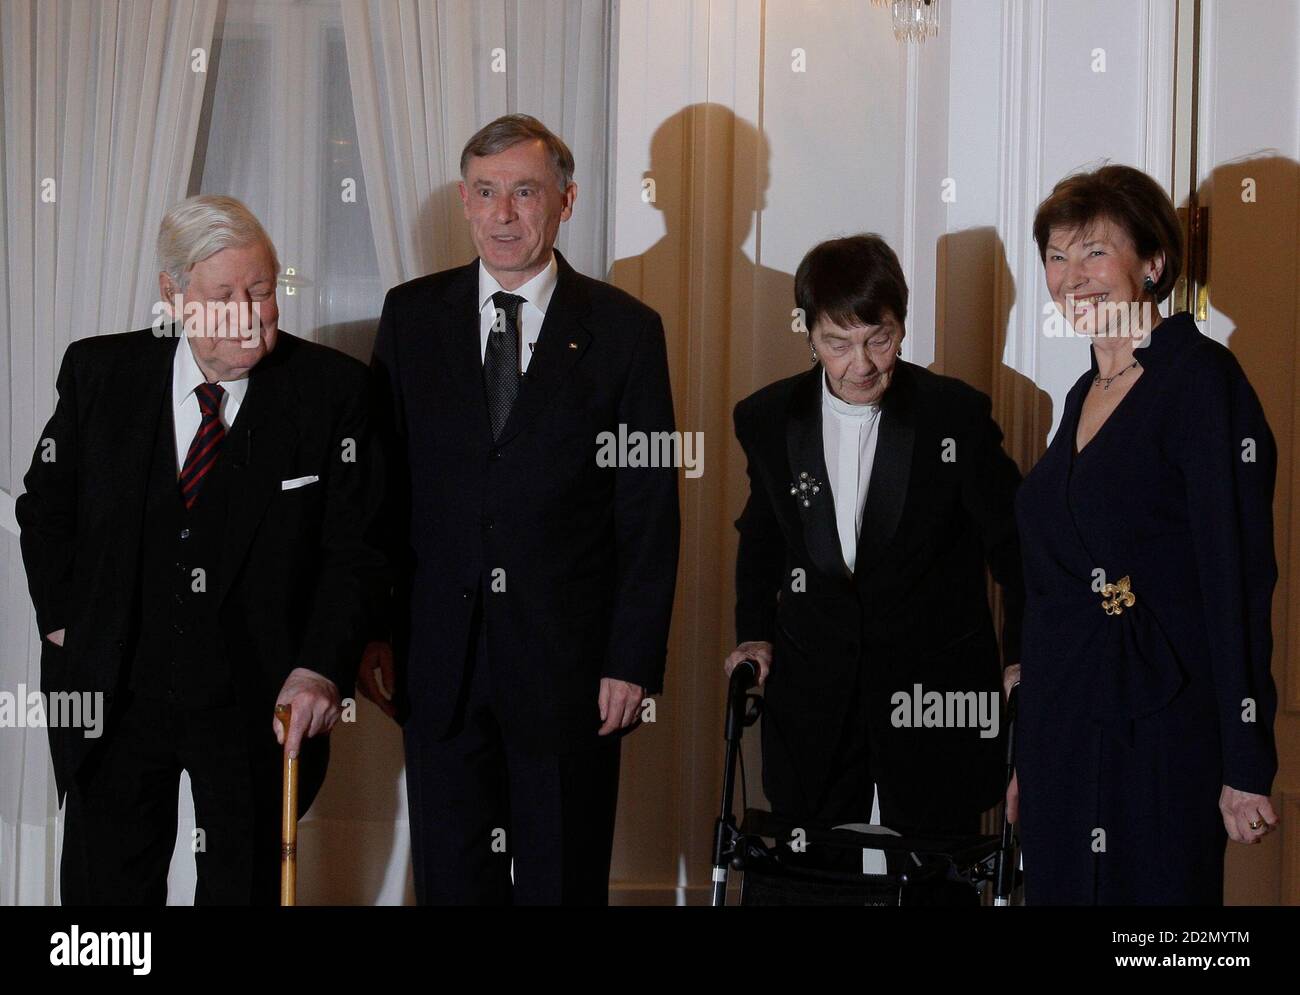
point(195, 529)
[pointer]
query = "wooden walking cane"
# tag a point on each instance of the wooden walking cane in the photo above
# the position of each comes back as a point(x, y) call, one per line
point(288, 817)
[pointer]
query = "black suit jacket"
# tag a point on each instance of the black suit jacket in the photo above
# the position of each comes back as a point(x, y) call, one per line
point(577, 562)
point(298, 577)
point(914, 611)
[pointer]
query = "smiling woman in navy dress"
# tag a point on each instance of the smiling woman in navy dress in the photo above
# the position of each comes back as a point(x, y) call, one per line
point(1147, 702)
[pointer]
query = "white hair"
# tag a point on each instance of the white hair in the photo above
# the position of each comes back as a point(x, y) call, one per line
point(202, 226)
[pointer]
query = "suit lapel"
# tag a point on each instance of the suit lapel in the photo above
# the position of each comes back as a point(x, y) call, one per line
point(456, 332)
point(145, 376)
point(258, 446)
point(890, 471)
point(807, 454)
point(560, 344)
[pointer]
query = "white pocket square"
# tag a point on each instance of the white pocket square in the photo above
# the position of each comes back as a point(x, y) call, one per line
point(288, 485)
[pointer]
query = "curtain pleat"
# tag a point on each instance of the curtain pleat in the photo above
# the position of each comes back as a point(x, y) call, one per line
point(423, 82)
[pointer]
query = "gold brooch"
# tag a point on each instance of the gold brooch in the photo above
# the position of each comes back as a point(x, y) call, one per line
point(1117, 597)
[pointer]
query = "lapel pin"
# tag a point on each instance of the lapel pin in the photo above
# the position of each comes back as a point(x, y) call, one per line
point(573, 345)
point(805, 488)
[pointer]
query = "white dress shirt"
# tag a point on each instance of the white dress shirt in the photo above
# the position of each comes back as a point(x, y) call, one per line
point(849, 434)
point(536, 294)
point(186, 416)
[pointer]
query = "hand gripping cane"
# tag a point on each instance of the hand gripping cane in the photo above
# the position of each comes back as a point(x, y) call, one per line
point(288, 817)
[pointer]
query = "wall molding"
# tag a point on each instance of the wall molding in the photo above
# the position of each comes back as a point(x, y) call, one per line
point(911, 166)
point(1156, 137)
point(1020, 169)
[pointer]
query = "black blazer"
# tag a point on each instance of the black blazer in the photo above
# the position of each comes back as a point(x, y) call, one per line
point(298, 577)
point(915, 610)
point(584, 557)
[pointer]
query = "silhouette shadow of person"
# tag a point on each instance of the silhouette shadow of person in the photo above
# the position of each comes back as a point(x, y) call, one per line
point(708, 178)
point(1253, 274)
point(1254, 264)
point(974, 297)
point(729, 328)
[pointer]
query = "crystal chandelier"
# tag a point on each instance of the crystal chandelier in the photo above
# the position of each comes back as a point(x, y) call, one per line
point(914, 20)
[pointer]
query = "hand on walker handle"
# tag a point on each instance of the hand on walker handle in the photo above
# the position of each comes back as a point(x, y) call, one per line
point(758, 651)
point(1010, 678)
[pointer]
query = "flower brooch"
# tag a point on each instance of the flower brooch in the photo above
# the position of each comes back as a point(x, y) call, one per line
point(805, 488)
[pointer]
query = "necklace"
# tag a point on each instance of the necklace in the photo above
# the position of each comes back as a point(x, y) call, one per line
point(1110, 380)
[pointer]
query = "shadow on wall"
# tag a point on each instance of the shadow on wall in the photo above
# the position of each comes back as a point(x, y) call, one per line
point(710, 171)
point(356, 338)
point(727, 320)
point(974, 297)
point(1253, 268)
point(1254, 272)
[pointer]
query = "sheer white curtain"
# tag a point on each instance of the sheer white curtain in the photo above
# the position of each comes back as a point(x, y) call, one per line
point(427, 74)
point(280, 136)
point(100, 110)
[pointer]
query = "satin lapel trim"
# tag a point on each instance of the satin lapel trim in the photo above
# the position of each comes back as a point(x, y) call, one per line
point(890, 472)
point(560, 344)
point(257, 448)
point(807, 454)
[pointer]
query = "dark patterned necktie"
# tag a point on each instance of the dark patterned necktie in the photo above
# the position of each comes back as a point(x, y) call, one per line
point(206, 443)
point(501, 361)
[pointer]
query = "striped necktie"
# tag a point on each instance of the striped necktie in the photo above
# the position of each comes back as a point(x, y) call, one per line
point(206, 444)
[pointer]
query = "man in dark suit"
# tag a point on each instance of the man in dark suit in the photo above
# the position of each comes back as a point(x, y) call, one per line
point(194, 532)
point(534, 582)
point(879, 495)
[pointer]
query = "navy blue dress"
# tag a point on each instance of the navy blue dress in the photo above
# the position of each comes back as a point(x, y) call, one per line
point(1132, 721)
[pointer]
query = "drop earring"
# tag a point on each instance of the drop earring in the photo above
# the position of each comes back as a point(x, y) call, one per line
point(1148, 285)
point(814, 355)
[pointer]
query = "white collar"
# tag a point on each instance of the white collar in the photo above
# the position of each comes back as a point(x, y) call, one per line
point(186, 375)
point(536, 291)
point(843, 408)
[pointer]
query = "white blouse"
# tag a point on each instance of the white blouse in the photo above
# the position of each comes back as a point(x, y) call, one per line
point(849, 434)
